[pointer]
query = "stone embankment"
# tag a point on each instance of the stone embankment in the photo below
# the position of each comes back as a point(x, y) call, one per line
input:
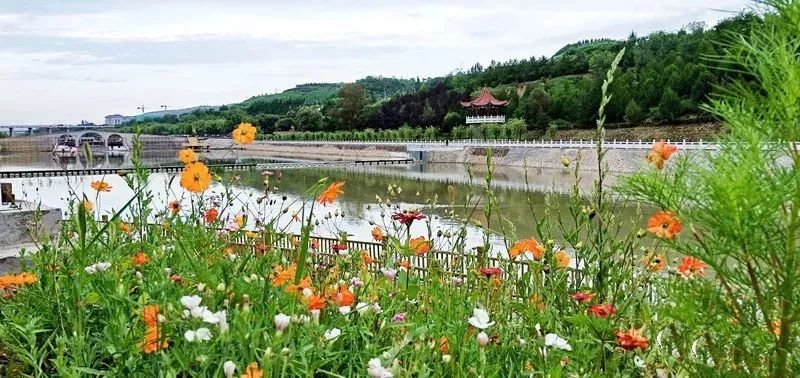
point(619, 159)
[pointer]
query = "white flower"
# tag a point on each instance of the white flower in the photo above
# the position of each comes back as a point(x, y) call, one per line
point(191, 302)
point(201, 286)
point(375, 370)
point(362, 307)
point(97, 267)
point(332, 334)
point(222, 320)
point(302, 319)
point(315, 315)
point(480, 319)
point(344, 310)
point(201, 334)
point(282, 321)
point(638, 362)
point(229, 368)
point(221, 286)
point(308, 292)
point(446, 358)
point(483, 339)
point(538, 329)
point(555, 341)
point(376, 307)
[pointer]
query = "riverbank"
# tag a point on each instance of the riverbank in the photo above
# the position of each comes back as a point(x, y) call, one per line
point(621, 160)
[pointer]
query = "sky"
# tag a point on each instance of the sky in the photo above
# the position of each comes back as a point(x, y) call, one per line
point(64, 61)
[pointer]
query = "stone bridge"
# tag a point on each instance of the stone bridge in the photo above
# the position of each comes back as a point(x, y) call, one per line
point(96, 139)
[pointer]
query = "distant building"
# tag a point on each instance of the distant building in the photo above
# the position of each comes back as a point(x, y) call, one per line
point(485, 108)
point(116, 119)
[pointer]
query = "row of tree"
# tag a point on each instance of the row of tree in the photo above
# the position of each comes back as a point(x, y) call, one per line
point(663, 78)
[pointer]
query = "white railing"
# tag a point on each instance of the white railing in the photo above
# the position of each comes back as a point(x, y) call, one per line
point(486, 119)
point(421, 145)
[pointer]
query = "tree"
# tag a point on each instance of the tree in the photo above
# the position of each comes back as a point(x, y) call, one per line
point(352, 99)
point(308, 118)
point(451, 121)
point(634, 113)
point(285, 124)
point(670, 106)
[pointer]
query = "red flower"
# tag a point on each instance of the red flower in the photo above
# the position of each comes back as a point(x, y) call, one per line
point(691, 267)
point(338, 247)
point(211, 215)
point(488, 272)
point(583, 296)
point(602, 310)
point(408, 217)
point(632, 339)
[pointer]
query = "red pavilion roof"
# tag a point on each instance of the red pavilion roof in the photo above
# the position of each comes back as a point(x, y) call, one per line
point(484, 99)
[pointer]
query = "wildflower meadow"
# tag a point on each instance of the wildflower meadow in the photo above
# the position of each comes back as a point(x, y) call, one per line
point(702, 283)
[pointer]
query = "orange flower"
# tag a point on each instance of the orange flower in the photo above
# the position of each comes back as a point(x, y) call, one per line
point(305, 283)
point(632, 339)
point(150, 315)
point(331, 193)
point(315, 302)
point(405, 264)
point(366, 258)
point(419, 245)
point(602, 310)
point(345, 297)
point(660, 153)
point(187, 156)
point(101, 186)
point(654, 263)
point(377, 234)
point(775, 327)
point(13, 281)
point(211, 215)
point(196, 177)
point(664, 225)
point(140, 259)
point(239, 220)
point(252, 371)
point(281, 276)
point(526, 246)
point(87, 205)
point(174, 206)
point(562, 259)
point(126, 227)
point(691, 267)
point(245, 133)
point(152, 340)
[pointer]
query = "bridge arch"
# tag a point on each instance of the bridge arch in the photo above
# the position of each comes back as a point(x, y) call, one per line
point(93, 139)
point(115, 140)
point(66, 140)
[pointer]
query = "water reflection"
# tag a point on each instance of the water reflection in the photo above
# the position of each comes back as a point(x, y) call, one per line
point(440, 190)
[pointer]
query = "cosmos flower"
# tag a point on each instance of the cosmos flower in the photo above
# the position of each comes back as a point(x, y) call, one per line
point(198, 335)
point(330, 194)
point(101, 186)
point(187, 156)
point(632, 339)
point(583, 296)
point(376, 370)
point(555, 341)
point(660, 153)
point(419, 245)
point(527, 246)
point(407, 217)
point(691, 267)
point(245, 133)
point(602, 310)
point(196, 177)
point(480, 319)
point(664, 225)
point(97, 267)
point(332, 334)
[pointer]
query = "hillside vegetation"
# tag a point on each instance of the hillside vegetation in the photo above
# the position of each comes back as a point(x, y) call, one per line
point(663, 79)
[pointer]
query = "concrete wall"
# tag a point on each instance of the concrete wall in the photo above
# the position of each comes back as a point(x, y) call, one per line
point(314, 151)
point(19, 228)
point(618, 160)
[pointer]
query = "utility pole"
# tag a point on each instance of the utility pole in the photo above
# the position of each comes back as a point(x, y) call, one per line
point(142, 108)
point(164, 107)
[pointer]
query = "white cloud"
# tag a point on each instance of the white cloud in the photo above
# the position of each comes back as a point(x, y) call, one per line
point(65, 61)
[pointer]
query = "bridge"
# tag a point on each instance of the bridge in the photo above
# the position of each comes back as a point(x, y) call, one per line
point(94, 138)
point(50, 128)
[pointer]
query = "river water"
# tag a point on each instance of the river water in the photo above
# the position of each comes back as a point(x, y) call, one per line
point(438, 190)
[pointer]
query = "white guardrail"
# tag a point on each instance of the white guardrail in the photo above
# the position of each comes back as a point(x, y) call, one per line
point(439, 144)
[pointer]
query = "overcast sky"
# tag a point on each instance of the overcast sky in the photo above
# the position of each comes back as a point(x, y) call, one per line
point(63, 61)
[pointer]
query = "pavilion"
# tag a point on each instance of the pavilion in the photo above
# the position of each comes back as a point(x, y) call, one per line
point(485, 108)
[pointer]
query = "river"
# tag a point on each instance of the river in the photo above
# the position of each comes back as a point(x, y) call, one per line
point(439, 190)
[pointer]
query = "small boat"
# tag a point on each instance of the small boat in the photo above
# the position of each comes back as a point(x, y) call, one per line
point(65, 151)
